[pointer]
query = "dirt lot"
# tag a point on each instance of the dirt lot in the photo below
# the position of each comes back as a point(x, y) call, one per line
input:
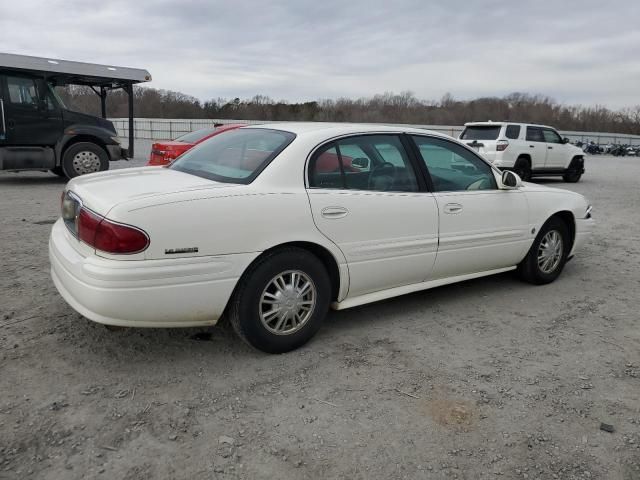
point(487, 378)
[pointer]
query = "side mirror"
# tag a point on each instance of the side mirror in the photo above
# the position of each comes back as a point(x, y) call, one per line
point(361, 162)
point(566, 140)
point(510, 180)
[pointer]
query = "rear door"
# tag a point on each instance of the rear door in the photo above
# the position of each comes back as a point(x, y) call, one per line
point(32, 116)
point(556, 149)
point(366, 197)
point(536, 147)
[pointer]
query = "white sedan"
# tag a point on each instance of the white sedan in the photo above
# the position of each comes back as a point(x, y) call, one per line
point(271, 225)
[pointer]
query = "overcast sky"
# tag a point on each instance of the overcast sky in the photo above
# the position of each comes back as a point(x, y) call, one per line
point(574, 51)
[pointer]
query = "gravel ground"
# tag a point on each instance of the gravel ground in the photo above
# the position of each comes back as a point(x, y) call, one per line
point(488, 378)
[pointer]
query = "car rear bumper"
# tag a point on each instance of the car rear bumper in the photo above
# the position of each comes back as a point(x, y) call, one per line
point(180, 292)
point(584, 229)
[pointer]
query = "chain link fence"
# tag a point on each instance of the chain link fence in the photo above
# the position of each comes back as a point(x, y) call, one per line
point(169, 129)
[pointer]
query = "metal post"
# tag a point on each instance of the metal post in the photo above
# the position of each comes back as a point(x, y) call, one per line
point(129, 89)
point(103, 102)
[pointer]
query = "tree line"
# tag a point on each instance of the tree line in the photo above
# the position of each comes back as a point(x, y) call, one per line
point(402, 107)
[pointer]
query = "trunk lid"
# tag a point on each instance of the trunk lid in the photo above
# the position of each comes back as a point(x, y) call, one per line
point(100, 192)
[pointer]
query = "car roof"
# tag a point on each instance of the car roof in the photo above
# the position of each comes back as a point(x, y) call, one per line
point(496, 124)
point(334, 129)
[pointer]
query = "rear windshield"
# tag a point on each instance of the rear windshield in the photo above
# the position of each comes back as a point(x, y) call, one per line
point(194, 137)
point(238, 156)
point(481, 132)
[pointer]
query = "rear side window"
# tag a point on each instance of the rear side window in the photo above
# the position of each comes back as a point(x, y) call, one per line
point(534, 134)
point(512, 132)
point(367, 162)
point(481, 132)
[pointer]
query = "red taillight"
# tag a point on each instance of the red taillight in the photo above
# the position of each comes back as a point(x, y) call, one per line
point(502, 145)
point(107, 236)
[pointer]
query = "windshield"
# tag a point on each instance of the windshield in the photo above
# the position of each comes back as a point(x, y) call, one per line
point(238, 156)
point(194, 137)
point(481, 132)
point(53, 92)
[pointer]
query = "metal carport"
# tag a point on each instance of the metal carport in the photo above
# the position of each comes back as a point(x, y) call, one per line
point(100, 78)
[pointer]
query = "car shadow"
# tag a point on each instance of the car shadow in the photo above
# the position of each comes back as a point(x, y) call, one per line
point(175, 347)
point(30, 179)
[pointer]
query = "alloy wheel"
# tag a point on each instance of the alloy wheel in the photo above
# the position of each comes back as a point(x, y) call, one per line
point(550, 252)
point(287, 302)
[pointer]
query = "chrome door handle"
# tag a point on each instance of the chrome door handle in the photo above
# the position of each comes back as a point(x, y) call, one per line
point(334, 212)
point(452, 208)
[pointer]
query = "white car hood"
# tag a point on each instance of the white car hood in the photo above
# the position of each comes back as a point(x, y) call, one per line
point(102, 191)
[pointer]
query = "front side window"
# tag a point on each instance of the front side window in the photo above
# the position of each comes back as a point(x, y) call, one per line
point(22, 91)
point(550, 136)
point(512, 132)
point(237, 156)
point(452, 167)
point(534, 134)
point(366, 162)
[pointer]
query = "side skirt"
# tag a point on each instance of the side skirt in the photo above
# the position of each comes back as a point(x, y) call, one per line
point(415, 287)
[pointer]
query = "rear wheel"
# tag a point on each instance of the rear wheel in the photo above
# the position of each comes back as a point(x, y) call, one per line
point(548, 254)
point(523, 168)
point(83, 158)
point(281, 301)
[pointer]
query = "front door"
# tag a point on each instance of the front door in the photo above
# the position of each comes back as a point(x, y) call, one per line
point(481, 228)
point(365, 197)
point(556, 149)
point(32, 117)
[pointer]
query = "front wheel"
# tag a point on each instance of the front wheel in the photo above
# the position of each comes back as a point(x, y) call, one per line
point(83, 158)
point(548, 254)
point(281, 301)
point(574, 172)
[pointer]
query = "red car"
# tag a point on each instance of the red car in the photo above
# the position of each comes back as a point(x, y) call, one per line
point(164, 153)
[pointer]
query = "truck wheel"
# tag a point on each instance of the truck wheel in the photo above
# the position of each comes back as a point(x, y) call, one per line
point(523, 168)
point(84, 157)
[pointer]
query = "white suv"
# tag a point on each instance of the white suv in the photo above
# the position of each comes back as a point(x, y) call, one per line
point(529, 150)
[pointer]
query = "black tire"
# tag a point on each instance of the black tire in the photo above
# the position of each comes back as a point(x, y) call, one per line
point(247, 301)
point(574, 172)
point(530, 269)
point(83, 158)
point(523, 168)
point(58, 171)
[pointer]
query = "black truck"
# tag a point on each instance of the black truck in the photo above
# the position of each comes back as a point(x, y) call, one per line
point(38, 132)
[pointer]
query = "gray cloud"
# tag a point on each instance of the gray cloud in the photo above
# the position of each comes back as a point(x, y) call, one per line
point(574, 51)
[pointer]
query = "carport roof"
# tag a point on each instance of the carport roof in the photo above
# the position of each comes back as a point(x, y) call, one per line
point(79, 73)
